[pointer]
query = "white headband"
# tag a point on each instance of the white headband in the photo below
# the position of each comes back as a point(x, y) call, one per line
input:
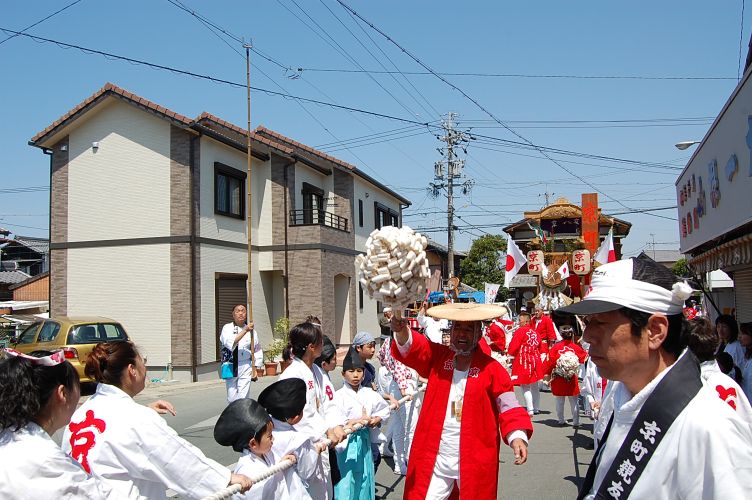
point(53, 359)
point(640, 295)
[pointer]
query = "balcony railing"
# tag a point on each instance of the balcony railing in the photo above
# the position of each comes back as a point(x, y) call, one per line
point(317, 218)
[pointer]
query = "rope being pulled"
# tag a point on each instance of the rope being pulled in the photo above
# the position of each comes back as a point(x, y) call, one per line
point(283, 465)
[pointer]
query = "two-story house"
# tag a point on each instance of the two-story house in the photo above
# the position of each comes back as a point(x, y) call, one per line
point(148, 226)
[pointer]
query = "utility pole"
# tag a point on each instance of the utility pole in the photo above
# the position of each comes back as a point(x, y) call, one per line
point(653, 236)
point(453, 166)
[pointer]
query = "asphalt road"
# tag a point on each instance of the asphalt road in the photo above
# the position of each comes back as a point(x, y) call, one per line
point(557, 463)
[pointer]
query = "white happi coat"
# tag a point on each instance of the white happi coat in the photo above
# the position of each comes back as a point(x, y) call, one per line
point(287, 439)
point(135, 452)
point(319, 414)
point(239, 387)
point(705, 454)
point(272, 487)
point(592, 383)
point(726, 388)
point(34, 467)
point(433, 327)
point(353, 404)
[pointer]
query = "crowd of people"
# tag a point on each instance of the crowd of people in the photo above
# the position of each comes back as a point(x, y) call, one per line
point(668, 393)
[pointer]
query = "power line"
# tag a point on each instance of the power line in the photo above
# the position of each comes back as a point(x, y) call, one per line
point(30, 189)
point(216, 80)
point(41, 20)
point(482, 108)
point(523, 75)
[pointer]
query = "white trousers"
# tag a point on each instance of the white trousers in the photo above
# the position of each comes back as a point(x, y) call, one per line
point(238, 387)
point(572, 406)
point(441, 487)
point(532, 396)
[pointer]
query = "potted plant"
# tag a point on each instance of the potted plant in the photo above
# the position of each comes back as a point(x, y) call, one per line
point(271, 353)
point(280, 331)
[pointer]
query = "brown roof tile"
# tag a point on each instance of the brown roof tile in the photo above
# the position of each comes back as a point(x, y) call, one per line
point(114, 89)
point(256, 137)
point(276, 135)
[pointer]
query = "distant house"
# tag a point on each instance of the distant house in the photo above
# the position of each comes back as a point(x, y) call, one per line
point(21, 258)
point(666, 257)
point(148, 226)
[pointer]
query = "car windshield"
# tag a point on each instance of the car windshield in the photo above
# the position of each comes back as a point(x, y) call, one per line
point(96, 332)
point(29, 334)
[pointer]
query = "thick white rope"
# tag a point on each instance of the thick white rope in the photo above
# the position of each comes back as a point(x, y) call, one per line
point(286, 464)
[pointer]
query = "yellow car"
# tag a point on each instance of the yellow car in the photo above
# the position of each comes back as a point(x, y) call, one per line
point(76, 336)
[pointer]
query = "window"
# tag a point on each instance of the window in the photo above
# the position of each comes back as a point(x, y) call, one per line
point(48, 332)
point(313, 203)
point(360, 295)
point(385, 216)
point(360, 213)
point(27, 336)
point(229, 191)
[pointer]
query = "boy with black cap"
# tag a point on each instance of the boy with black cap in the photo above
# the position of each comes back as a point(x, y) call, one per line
point(284, 401)
point(246, 426)
point(354, 454)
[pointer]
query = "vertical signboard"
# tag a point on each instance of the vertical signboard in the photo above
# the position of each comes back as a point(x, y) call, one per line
point(590, 221)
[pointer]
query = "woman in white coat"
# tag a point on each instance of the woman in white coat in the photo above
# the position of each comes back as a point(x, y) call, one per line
point(38, 397)
point(129, 446)
point(321, 416)
point(236, 337)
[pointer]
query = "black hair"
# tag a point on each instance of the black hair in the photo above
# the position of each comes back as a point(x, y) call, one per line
point(727, 366)
point(300, 337)
point(702, 339)
point(262, 431)
point(108, 361)
point(746, 329)
point(26, 389)
point(676, 337)
point(729, 321)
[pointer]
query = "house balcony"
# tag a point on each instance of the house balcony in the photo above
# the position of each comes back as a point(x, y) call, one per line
point(318, 217)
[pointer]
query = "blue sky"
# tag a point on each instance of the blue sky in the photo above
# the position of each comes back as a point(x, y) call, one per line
point(638, 119)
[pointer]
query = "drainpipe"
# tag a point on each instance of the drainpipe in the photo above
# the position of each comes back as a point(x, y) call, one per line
point(193, 266)
point(286, 218)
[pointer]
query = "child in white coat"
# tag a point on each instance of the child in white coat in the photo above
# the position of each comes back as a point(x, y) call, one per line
point(246, 426)
point(354, 454)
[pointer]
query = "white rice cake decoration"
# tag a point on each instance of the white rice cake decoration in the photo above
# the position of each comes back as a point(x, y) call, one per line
point(394, 268)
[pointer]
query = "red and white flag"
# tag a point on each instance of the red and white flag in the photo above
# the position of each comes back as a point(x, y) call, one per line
point(606, 253)
point(515, 260)
point(564, 270)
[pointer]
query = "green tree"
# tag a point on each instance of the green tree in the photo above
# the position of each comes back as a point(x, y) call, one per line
point(681, 268)
point(483, 264)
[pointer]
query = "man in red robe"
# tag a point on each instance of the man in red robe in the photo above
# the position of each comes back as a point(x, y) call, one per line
point(468, 408)
point(544, 326)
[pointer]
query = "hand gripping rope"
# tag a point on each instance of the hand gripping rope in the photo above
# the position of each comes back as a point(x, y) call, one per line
point(286, 464)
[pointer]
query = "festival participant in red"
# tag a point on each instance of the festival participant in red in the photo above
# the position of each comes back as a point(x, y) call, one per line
point(565, 386)
point(527, 367)
point(544, 325)
point(497, 334)
point(458, 454)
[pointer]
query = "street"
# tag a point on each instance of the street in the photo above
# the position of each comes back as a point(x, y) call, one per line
point(557, 460)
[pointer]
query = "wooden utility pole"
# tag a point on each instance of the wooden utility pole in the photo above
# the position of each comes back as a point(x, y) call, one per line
point(248, 211)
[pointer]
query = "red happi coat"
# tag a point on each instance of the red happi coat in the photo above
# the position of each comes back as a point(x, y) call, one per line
point(527, 367)
point(481, 420)
point(546, 331)
point(561, 386)
point(497, 336)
